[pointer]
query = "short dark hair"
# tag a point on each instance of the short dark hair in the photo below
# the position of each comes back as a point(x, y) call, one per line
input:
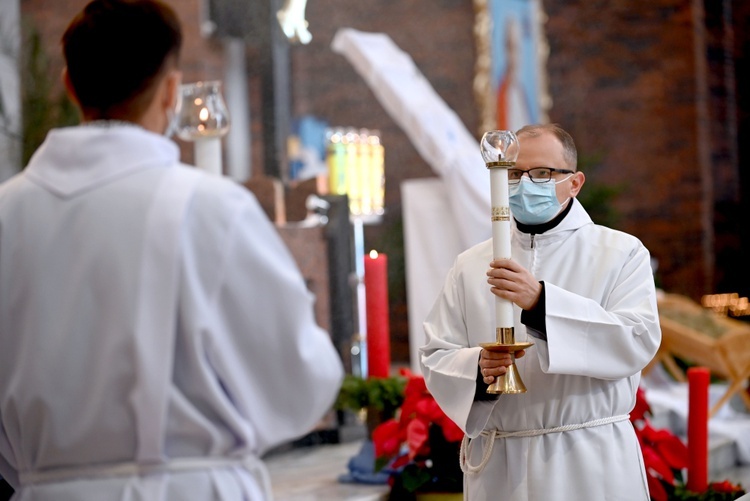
point(115, 50)
point(570, 153)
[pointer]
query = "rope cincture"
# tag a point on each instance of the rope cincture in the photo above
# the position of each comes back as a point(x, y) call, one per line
point(492, 435)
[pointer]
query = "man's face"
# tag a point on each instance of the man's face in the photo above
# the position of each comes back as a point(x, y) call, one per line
point(546, 150)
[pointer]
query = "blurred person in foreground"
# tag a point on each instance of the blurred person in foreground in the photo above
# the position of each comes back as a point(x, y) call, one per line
point(584, 295)
point(157, 336)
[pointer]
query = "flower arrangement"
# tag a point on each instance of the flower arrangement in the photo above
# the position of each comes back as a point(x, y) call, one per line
point(665, 457)
point(378, 397)
point(419, 447)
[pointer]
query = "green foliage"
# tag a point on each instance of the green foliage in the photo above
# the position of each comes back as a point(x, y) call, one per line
point(413, 477)
point(439, 471)
point(597, 200)
point(381, 463)
point(382, 394)
point(717, 491)
point(42, 111)
point(597, 197)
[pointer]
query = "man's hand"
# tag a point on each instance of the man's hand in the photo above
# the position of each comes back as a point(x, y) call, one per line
point(511, 281)
point(495, 363)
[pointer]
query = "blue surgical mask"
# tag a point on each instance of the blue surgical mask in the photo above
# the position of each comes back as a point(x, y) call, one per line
point(534, 203)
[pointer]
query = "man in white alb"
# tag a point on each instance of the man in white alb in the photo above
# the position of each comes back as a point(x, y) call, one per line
point(585, 296)
point(156, 336)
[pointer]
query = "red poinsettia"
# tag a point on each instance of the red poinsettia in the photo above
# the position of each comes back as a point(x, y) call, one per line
point(409, 437)
point(726, 487)
point(664, 454)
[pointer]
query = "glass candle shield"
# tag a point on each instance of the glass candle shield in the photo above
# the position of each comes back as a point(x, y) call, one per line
point(499, 146)
point(201, 111)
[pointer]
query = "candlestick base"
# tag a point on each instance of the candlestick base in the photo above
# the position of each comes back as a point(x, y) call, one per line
point(509, 383)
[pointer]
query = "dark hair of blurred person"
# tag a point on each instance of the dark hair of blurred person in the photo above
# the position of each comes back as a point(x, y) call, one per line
point(116, 53)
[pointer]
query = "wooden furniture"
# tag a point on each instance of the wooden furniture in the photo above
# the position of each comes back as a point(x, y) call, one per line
point(701, 337)
point(323, 253)
point(297, 193)
point(269, 192)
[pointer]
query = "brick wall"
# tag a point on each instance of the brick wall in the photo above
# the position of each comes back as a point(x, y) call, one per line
point(625, 83)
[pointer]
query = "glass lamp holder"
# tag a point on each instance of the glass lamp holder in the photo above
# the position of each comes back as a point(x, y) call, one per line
point(203, 119)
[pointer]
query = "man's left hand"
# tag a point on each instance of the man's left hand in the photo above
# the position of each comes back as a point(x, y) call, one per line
point(513, 282)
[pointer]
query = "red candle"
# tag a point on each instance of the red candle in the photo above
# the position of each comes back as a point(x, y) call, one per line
point(378, 331)
point(697, 475)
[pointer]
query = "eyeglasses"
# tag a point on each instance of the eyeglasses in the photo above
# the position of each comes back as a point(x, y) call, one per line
point(537, 174)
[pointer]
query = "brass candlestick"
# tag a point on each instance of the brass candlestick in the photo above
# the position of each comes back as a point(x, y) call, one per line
point(500, 150)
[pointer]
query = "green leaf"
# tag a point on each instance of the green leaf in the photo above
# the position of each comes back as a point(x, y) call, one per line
point(382, 394)
point(381, 463)
point(413, 477)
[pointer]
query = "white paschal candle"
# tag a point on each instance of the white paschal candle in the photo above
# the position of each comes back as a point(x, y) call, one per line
point(208, 154)
point(501, 231)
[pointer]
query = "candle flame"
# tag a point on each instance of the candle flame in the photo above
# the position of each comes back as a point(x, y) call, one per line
point(373, 254)
point(203, 114)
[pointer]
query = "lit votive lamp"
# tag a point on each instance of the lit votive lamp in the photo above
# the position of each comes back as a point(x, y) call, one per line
point(203, 119)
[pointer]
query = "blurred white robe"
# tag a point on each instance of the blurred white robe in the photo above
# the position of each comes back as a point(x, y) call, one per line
point(156, 336)
point(602, 329)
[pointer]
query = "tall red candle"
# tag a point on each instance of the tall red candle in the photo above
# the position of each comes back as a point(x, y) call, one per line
point(697, 474)
point(378, 330)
